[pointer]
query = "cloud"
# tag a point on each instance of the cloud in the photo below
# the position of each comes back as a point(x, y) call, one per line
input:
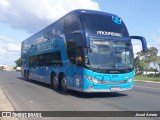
point(153, 40)
point(9, 51)
point(2, 50)
point(137, 46)
point(8, 45)
point(3, 39)
point(13, 47)
point(33, 15)
point(156, 38)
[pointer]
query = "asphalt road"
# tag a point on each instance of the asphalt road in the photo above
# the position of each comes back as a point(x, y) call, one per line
point(35, 96)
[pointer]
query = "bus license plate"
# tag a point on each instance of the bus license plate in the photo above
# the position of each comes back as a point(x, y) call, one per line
point(114, 88)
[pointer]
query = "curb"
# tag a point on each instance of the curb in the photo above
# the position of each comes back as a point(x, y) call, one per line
point(146, 81)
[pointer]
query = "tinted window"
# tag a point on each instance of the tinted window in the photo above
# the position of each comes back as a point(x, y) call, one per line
point(95, 22)
point(23, 58)
point(59, 26)
point(54, 30)
point(47, 59)
point(74, 47)
point(71, 23)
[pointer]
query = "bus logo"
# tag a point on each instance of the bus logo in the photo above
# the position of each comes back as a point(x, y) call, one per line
point(116, 20)
point(45, 47)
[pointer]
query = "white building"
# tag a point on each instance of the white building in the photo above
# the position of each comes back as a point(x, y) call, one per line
point(6, 68)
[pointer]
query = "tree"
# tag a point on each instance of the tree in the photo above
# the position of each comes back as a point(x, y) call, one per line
point(155, 63)
point(18, 62)
point(140, 65)
point(143, 60)
point(158, 62)
point(159, 66)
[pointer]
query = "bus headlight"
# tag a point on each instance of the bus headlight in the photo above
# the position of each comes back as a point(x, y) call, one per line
point(129, 80)
point(92, 79)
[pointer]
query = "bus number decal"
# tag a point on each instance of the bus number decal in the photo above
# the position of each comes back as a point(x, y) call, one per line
point(114, 76)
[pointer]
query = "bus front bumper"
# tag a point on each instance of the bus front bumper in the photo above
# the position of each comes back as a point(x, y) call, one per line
point(104, 90)
point(100, 90)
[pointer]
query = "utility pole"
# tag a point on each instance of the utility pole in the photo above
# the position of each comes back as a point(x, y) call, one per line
point(6, 59)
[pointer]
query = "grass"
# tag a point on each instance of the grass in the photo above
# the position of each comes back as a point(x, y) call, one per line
point(147, 78)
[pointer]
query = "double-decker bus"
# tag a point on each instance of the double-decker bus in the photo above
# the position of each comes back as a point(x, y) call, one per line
point(85, 50)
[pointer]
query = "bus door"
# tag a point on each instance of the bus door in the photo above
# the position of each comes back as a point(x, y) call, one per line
point(74, 49)
point(78, 69)
point(74, 68)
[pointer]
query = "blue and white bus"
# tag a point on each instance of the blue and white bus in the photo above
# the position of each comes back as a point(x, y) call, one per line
point(85, 50)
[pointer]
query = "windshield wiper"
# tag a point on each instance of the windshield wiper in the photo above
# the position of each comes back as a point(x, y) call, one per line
point(117, 66)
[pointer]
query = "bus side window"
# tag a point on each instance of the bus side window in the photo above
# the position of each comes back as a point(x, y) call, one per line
point(78, 56)
point(74, 48)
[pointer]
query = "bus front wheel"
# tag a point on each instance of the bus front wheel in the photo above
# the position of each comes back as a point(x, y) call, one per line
point(27, 76)
point(63, 83)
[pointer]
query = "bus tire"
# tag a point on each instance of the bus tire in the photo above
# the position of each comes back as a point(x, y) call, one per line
point(27, 76)
point(63, 83)
point(24, 75)
point(54, 82)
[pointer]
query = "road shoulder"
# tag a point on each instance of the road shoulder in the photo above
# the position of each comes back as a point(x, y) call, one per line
point(5, 105)
point(146, 81)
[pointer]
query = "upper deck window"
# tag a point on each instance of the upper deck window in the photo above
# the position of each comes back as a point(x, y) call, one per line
point(71, 23)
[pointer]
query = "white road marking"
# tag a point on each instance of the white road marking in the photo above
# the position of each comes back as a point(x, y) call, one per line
point(30, 101)
point(146, 81)
point(146, 87)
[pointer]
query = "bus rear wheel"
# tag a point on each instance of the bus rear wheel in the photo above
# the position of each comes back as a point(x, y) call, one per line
point(54, 82)
point(63, 83)
point(27, 76)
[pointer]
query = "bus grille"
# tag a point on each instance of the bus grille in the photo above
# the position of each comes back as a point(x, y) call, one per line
point(114, 82)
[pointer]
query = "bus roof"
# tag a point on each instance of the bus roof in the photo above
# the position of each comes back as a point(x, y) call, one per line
point(78, 12)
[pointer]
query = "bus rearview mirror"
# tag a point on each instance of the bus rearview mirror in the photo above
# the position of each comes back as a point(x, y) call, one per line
point(143, 41)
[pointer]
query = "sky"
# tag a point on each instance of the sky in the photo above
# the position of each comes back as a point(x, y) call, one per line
point(20, 19)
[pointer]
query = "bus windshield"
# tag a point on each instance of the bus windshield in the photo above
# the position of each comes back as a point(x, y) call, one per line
point(107, 54)
point(96, 22)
